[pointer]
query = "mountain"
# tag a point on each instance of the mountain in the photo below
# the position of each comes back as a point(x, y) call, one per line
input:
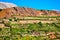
point(14, 11)
point(4, 5)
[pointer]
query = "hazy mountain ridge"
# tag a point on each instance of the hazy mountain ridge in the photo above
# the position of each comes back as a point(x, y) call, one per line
point(4, 5)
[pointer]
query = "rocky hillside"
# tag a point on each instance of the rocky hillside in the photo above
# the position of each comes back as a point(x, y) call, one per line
point(11, 10)
point(21, 12)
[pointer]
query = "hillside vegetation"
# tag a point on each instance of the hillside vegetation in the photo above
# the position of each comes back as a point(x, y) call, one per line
point(19, 23)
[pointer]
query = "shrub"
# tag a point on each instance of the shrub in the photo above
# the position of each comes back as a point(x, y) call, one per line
point(0, 29)
point(10, 19)
point(8, 24)
point(0, 9)
point(40, 24)
point(15, 19)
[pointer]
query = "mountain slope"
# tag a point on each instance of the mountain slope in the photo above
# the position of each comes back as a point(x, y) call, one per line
point(21, 12)
point(11, 10)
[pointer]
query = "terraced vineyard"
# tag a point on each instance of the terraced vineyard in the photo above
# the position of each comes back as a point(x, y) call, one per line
point(14, 29)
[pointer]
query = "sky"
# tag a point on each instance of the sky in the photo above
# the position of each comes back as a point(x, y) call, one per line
point(37, 4)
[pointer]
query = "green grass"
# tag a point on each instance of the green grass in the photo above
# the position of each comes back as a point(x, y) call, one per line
point(5, 32)
point(35, 18)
